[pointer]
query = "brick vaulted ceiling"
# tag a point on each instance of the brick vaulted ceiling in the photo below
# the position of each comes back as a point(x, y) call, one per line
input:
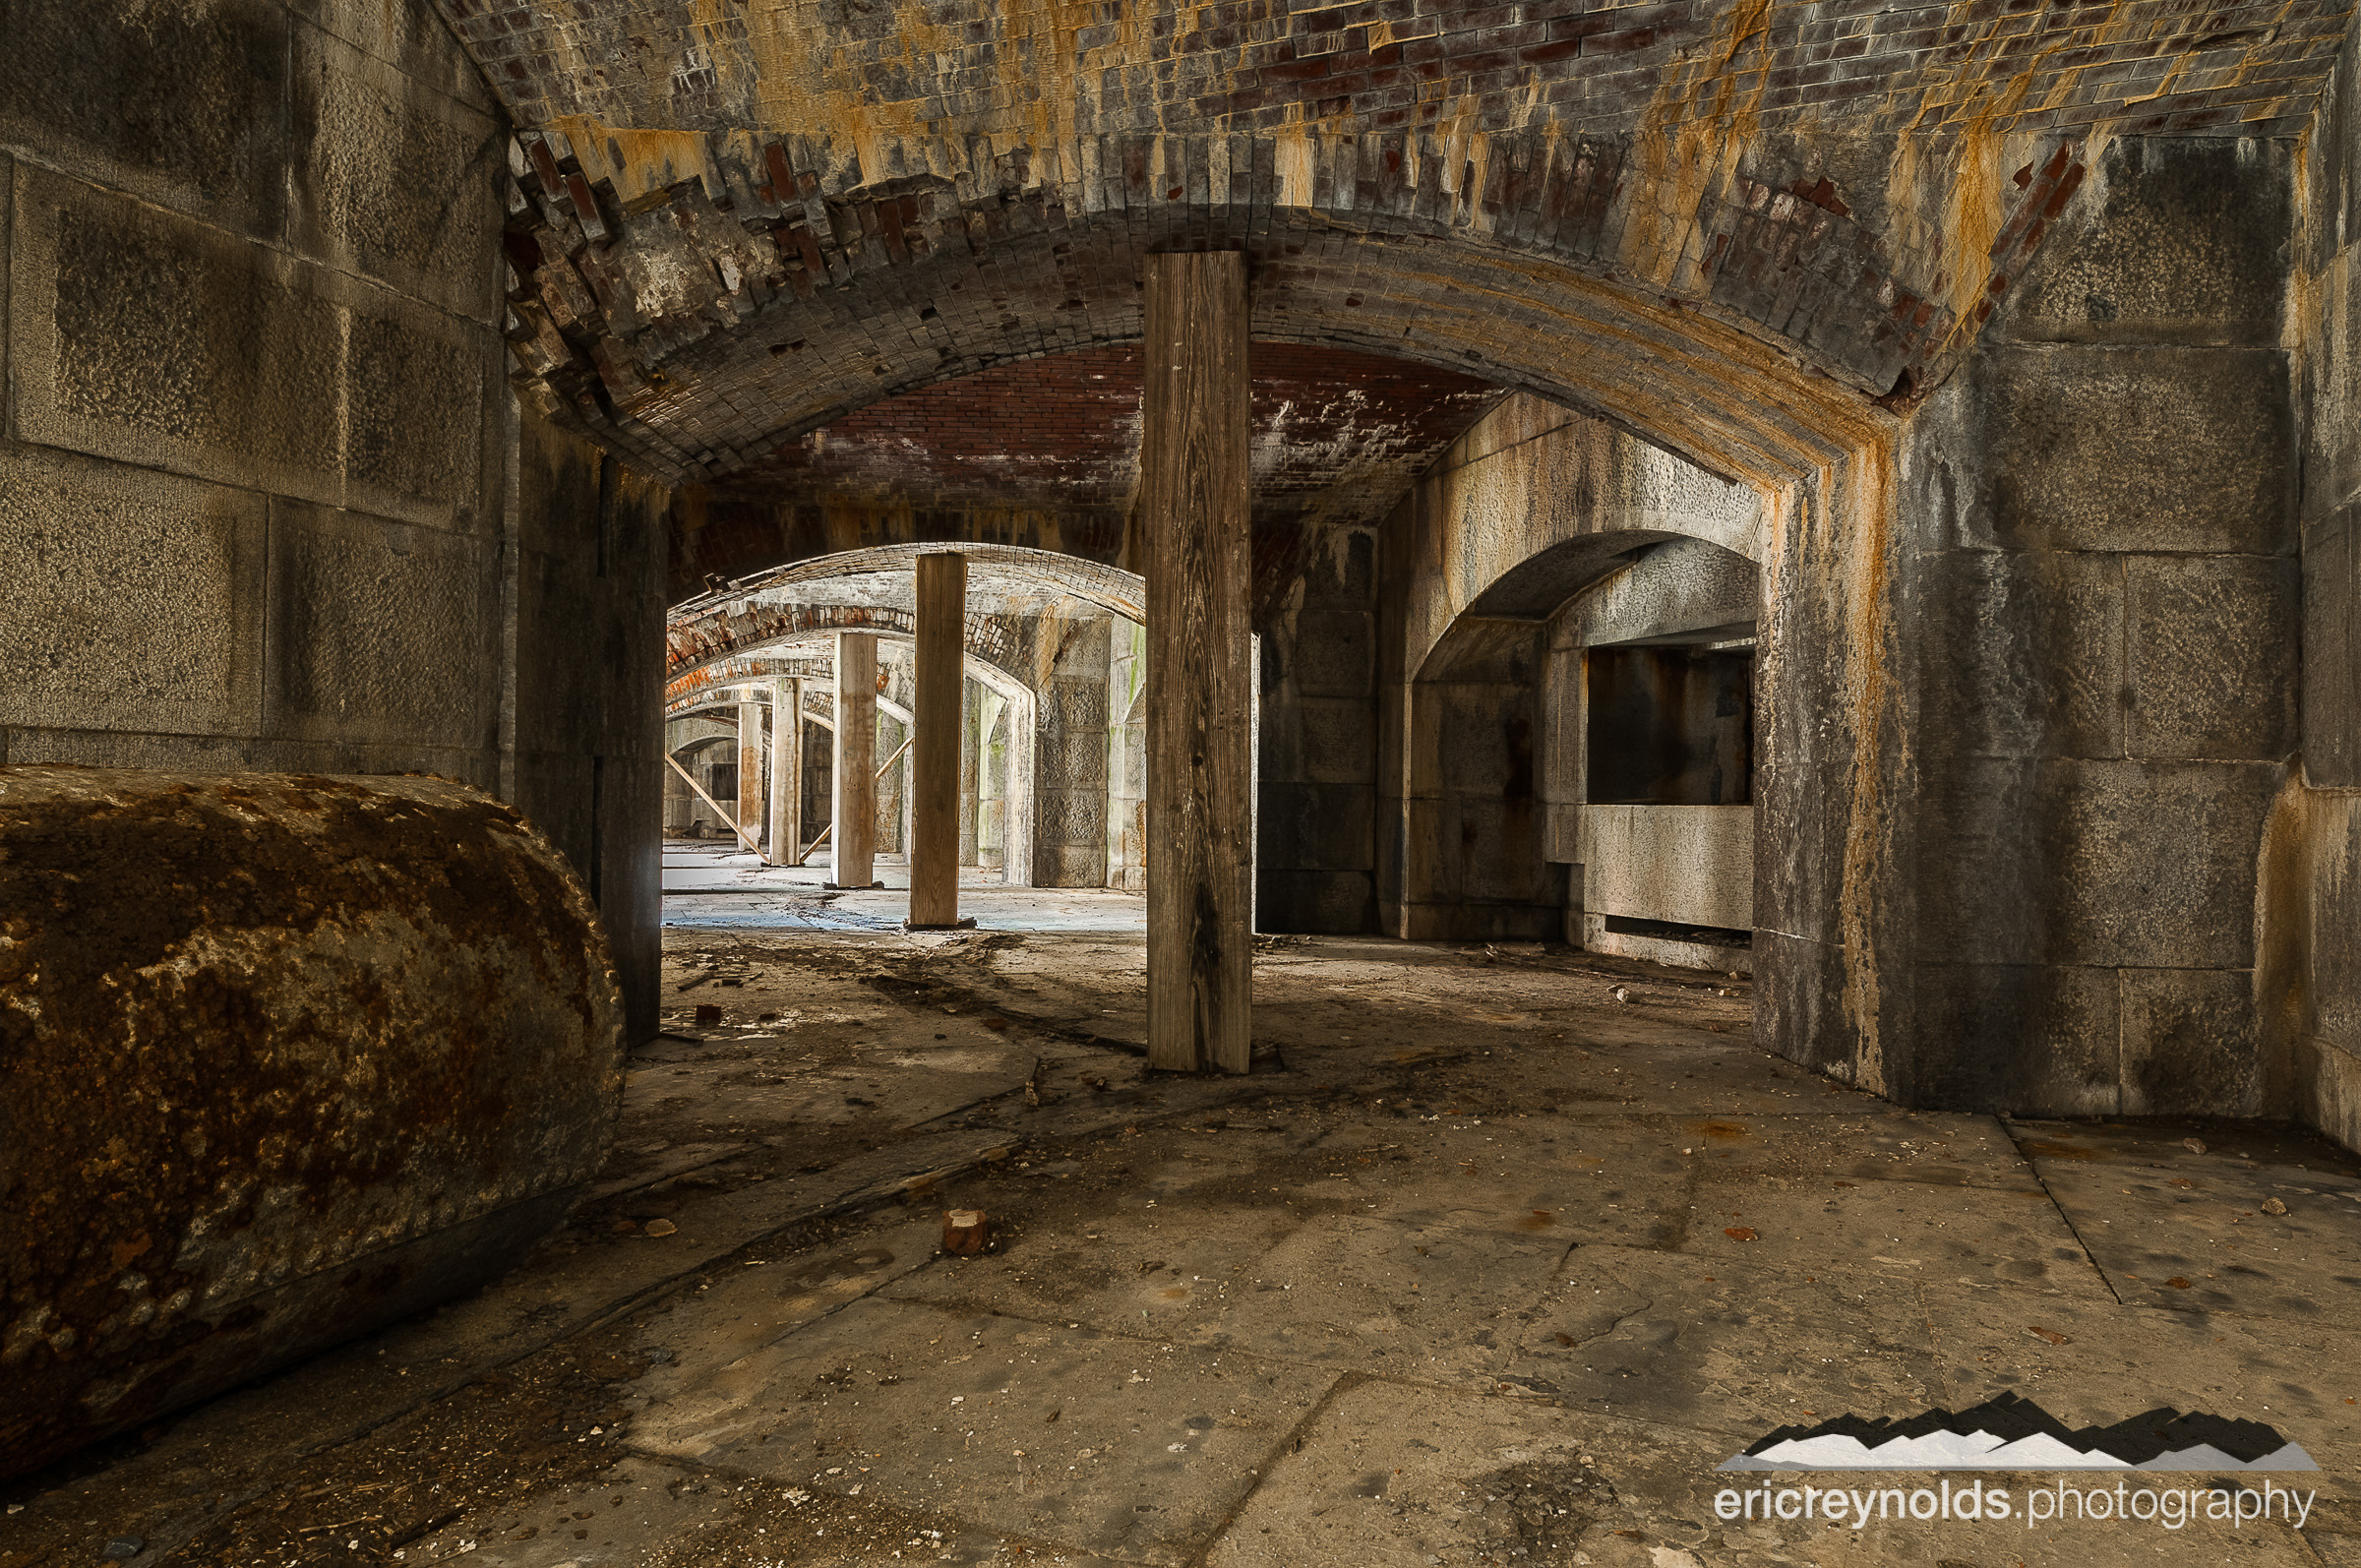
point(1054, 439)
point(1736, 226)
point(1340, 431)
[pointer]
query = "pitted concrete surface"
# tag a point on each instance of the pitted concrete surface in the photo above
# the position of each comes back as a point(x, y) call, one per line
point(1489, 1264)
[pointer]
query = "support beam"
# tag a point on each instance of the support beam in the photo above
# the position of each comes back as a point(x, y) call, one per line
point(856, 785)
point(971, 766)
point(752, 754)
point(784, 834)
point(1194, 496)
point(719, 810)
point(935, 736)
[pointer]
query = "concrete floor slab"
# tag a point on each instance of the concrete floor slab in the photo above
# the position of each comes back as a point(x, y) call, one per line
point(2240, 1223)
point(2092, 1362)
point(1428, 1302)
point(753, 1298)
point(1419, 1478)
point(1725, 1346)
point(1624, 1185)
point(1399, 1474)
point(1973, 1238)
point(1132, 1448)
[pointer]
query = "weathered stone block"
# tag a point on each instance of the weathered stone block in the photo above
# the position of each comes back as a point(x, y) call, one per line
point(1343, 575)
point(1071, 759)
point(377, 628)
point(393, 181)
point(1070, 818)
point(1487, 739)
point(1071, 705)
point(1496, 849)
point(134, 597)
point(1315, 827)
point(1802, 1006)
point(1805, 792)
point(1334, 653)
point(1478, 923)
point(2332, 656)
point(1069, 865)
point(2330, 367)
point(589, 662)
point(2029, 1039)
point(1330, 902)
point(2189, 1043)
point(231, 754)
point(1682, 585)
point(1080, 648)
point(558, 493)
point(181, 106)
point(2312, 919)
point(1339, 741)
point(1689, 863)
point(8, 212)
point(2100, 863)
point(2170, 240)
point(2070, 447)
point(557, 793)
point(2212, 655)
point(410, 35)
point(2328, 1089)
point(415, 416)
point(2020, 654)
point(150, 338)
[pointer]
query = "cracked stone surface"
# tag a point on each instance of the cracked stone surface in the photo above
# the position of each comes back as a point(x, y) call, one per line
point(1487, 1266)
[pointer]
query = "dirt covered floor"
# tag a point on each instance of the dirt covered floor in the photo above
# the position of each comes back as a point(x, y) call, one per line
point(1495, 1259)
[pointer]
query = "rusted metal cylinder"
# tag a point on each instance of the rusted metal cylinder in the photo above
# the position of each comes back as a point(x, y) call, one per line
point(283, 1058)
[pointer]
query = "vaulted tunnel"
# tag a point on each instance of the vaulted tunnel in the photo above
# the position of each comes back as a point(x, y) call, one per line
point(1749, 605)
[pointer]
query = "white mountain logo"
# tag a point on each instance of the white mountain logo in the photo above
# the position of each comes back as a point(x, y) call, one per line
point(2012, 1433)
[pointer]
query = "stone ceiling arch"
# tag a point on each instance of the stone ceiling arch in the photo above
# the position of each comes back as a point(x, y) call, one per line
point(700, 685)
point(868, 590)
point(696, 399)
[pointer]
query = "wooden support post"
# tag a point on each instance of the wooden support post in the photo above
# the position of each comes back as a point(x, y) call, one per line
point(784, 833)
point(751, 755)
point(856, 799)
point(935, 741)
point(1194, 497)
point(971, 766)
point(719, 810)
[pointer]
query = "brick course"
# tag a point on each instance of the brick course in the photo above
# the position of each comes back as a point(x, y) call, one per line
point(1599, 204)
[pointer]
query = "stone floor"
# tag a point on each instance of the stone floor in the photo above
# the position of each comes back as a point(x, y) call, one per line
point(716, 887)
point(1497, 1257)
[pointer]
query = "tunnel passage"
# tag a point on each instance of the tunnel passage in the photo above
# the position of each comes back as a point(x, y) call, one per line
point(288, 1058)
point(1053, 782)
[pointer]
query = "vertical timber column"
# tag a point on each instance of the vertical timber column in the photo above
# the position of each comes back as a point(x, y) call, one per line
point(783, 837)
point(971, 768)
point(935, 741)
point(1194, 492)
point(855, 800)
point(749, 773)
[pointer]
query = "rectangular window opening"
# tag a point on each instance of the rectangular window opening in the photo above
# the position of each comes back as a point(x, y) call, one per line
point(1669, 725)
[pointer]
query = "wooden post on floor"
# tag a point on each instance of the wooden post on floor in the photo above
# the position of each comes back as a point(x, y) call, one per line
point(749, 775)
point(1194, 496)
point(971, 769)
point(935, 741)
point(855, 817)
point(784, 833)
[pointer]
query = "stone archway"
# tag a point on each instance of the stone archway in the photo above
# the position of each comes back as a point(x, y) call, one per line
point(1056, 824)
